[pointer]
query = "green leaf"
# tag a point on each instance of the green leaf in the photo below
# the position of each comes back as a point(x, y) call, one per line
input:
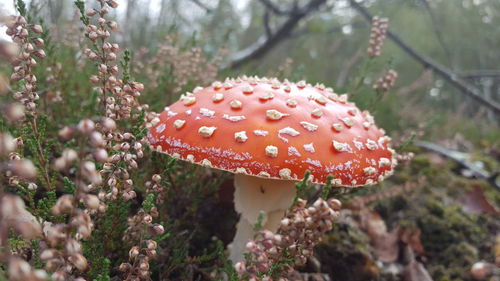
point(80, 4)
point(327, 188)
point(20, 7)
point(69, 186)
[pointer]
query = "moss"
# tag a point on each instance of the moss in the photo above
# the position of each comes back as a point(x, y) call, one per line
point(420, 162)
point(3, 276)
point(452, 268)
point(344, 255)
point(452, 239)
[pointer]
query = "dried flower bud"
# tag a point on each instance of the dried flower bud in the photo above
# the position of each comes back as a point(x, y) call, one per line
point(91, 12)
point(151, 244)
point(134, 252)
point(23, 168)
point(112, 3)
point(144, 265)
point(14, 112)
point(101, 155)
point(481, 270)
point(69, 155)
point(32, 186)
point(125, 267)
point(108, 124)
point(7, 143)
point(64, 205)
point(158, 229)
point(91, 201)
point(96, 139)
point(72, 246)
point(39, 54)
point(79, 261)
point(148, 219)
point(386, 82)
point(240, 267)
point(86, 126)
point(156, 178)
point(37, 29)
point(19, 269)
point(16, 216)
point(377, 36)
point(66, 133)
point(113, 25)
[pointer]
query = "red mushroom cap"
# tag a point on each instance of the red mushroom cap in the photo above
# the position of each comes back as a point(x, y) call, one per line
point(274, 129)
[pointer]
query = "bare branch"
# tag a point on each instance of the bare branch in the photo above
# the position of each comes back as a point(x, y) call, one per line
point(480, 74)
point(269, 33)
point(201, 5)
point(462, 159)
point(276, 10)
point(437, 29)
point(264, 44)
point(442, 71)
point(331, 30)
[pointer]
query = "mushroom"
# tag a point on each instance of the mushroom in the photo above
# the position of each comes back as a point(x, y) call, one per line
point(269, 133)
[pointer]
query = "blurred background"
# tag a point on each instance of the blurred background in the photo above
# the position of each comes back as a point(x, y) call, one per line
point(326, 41)
point(434, 87)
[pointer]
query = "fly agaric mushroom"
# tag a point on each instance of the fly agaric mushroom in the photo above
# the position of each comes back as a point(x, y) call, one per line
point(269, 133)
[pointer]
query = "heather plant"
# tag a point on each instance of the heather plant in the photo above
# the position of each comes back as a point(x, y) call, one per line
point(274, 256)
point(83, 181)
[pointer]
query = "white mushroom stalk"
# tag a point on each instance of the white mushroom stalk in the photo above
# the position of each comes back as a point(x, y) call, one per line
point(254, 196)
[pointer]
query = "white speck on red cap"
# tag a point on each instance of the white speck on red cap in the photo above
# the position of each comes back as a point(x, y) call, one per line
point(274, 114)
point(348, 121)
point(217, 97)
point(240, 136)
point(271, 151)
point(321, 99)
point(207, 112)
point(309, 126)
point(236, 104)
point(285, 173)
point(188, 100)
point(340, 146)
point(309, 147)
point(291, 102)
point(178, 124)
point(266, 96)
point(317, 113)
point(370, 170)
point(206, 131)
point(247, 89)
point(234, 118)
point(261, 133)
point(371, 144)
point(337, 127)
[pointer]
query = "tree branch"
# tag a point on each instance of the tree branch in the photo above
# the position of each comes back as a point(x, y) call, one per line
point(269, 33)
point(461, 159)
point(442, 71)
point(437, 29)
point(276, 10)
point(201, 5)
point(480, 74)
point(264, 44)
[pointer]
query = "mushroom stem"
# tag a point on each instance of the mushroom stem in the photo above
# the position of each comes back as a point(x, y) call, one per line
point(252, 196)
